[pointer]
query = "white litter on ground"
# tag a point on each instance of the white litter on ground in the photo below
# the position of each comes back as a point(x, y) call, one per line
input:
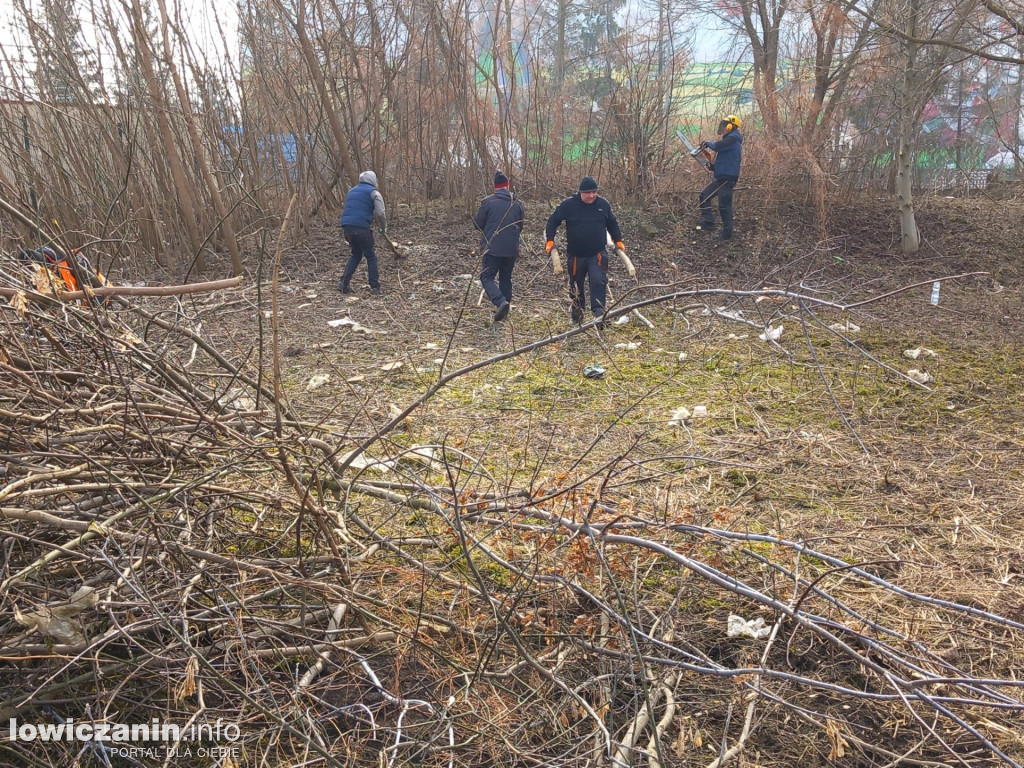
point(737, 626)
point(678, 417)
point(317, 381)
point(917, 352)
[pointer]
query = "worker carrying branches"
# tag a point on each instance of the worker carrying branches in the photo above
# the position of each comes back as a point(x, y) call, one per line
point(726, 169)
point(587, 219)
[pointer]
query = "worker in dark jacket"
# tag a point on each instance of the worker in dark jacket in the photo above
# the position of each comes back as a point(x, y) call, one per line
point(363, 204)
point(588, 222)
point(727, 172)
point(500, 218)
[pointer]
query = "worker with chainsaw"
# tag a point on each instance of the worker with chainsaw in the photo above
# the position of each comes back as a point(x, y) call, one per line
point(726, 169)
point(500, 218)
point(363, 204)
point(589, 220)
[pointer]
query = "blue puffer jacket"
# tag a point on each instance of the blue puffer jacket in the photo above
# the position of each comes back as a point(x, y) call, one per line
point(729, 149)
point(358, 211)
point(363, 203)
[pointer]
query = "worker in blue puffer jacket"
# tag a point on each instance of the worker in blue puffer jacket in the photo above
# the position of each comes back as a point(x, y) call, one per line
point(363, 204)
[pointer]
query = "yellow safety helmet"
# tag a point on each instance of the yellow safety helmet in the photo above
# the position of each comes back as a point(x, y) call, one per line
point(729, 123)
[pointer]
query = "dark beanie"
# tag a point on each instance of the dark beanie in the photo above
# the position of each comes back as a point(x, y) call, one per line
point(500, 180)
point(588, 184)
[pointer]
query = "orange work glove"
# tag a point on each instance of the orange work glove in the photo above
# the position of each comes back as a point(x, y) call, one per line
point(620, 246)
point(548, 246)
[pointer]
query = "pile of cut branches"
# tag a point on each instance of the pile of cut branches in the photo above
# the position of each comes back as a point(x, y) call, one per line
point(179, 548)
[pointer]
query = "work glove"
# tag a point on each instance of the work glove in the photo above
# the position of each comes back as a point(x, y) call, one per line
point(620, 246)
point(703, 145)
point(548, 246)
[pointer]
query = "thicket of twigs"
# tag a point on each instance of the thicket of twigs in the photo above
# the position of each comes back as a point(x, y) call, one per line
point(165, 133)
point(178, 545)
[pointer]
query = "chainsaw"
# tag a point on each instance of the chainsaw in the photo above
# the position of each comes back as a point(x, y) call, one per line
point(700, 154)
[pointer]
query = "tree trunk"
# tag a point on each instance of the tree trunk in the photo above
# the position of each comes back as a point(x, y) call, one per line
point(908, 99)
point(909, 234)
point(1018, 135)
point(181, 186)
point(762, 22)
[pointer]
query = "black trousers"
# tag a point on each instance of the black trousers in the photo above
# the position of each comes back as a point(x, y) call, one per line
point(500, 267)
point(579, 268)
point(361, 240)
point(721, 187)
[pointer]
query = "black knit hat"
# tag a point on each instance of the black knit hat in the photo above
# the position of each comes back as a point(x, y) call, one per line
point(588, 184)
point(500, 180)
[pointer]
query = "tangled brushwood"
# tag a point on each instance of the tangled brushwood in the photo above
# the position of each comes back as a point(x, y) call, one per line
point(179, 546)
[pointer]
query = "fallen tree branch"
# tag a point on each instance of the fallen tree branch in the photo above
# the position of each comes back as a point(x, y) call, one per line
point(126, 290)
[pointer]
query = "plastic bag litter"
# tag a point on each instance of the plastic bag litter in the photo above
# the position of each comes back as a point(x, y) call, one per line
point(236, 399)
point(424, 455)
point(921, 377)
point(54, 620)
point(628, 345)
point(846, 327)
point(728, 314)
point(740, 627)
point(317, 381)
point(678, 417)
point(700, 411)
point(771, 333)
point(356, 327)
point(593, 371)
point(362, 461)
point(917, 352)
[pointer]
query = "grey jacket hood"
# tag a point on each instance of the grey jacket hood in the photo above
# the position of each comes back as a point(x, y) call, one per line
point(368, 177)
